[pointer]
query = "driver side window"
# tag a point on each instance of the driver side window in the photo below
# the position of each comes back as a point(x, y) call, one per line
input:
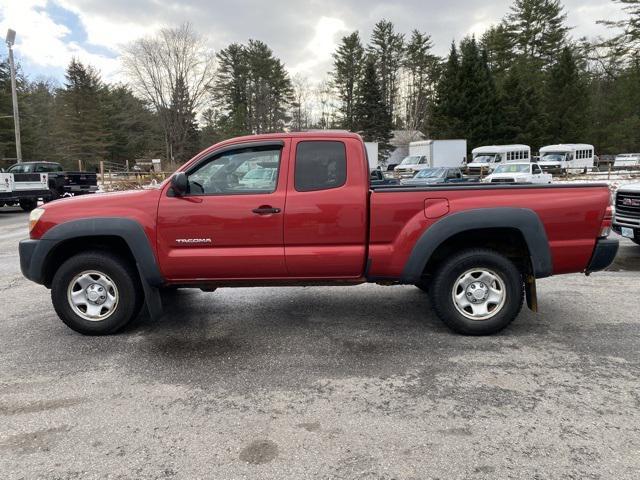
point(237, 172)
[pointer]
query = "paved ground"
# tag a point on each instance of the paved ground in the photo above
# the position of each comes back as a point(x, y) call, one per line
point(300, 383)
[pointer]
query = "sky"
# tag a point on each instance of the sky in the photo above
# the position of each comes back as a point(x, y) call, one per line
point(303, 33)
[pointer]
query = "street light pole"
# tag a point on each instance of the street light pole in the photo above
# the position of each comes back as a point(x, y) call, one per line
point(11, 38)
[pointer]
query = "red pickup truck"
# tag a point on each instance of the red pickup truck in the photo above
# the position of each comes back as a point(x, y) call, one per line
point(298, 209)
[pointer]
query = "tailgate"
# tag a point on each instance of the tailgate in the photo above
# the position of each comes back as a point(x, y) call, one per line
point(81, 178)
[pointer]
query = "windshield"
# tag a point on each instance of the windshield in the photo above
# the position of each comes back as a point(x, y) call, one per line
point(411, 160)
point(484, 158)
point(431, 173)
point(513, 168)
point(553, 157)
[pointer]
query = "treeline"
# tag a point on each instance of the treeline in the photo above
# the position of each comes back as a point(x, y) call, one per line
point(524, 81)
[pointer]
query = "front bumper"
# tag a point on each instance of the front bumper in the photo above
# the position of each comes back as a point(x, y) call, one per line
point(603, 255)
point(32, 255)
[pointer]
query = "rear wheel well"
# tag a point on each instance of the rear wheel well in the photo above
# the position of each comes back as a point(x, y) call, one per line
point(68, 248)
point(506, 241)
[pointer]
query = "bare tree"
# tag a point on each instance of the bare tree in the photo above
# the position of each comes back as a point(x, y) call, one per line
point(172, 70)
point(301, 106)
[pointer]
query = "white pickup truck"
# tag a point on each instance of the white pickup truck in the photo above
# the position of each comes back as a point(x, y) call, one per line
point(25, 192)
point(518, 172)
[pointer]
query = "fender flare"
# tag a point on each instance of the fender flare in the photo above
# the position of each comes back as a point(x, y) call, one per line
point(522, 219)
point(129, 230)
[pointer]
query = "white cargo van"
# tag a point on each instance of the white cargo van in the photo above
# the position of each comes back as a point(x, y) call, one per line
point(567, 157)
point(485, 159)
point(432, 153)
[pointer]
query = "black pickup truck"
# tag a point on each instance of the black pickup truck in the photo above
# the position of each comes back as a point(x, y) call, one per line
point(60, 181)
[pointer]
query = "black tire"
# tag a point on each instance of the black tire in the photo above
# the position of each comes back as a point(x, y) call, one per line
point(120, 272)
point(448, 274)
point(28, 204)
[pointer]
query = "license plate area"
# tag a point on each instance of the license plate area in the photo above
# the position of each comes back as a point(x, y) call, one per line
point(626, 232)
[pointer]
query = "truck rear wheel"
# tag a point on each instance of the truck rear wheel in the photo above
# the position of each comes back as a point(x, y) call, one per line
point(96, 293)
point(477, 292)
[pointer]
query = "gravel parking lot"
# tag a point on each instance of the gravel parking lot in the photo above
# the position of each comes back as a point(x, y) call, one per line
point(360, 382)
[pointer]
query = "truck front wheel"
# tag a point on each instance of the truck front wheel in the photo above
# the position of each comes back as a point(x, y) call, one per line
point(96, 293)
point(477, 292)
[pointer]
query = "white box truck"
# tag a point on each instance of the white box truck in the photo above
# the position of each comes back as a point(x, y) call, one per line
point(432, 153)
point(372, 154)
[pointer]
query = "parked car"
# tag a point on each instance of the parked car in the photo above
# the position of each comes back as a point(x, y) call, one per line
point(626, 221)
point(476, 248)
point(516, 172)
point(258, 178)
point(432, 176)
point(377, 178)
point(60, 181)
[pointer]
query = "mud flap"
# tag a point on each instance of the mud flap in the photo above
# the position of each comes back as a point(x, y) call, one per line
point(531, 293)
point(152, 298)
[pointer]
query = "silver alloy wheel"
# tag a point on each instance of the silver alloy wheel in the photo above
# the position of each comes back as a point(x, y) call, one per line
point(92, 295)
point(479, 294)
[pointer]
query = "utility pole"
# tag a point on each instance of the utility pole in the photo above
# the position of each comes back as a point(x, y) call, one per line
point(11, 38)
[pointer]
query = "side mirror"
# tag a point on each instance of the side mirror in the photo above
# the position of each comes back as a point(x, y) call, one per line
point(179, 183)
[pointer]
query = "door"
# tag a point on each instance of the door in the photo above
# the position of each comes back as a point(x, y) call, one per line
point(326, 214)
point(536, 173)
point(230, 223)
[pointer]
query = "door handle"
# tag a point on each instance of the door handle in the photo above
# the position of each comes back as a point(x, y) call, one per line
point(265, 210)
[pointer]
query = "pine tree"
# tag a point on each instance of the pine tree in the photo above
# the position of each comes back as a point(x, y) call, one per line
point(447, 115)
point(537, 29)
point(479, 100)
point(387, 50)
point(421, 70)
point(230, 90)
point(521, 108)
point(253, 91)
point(498, 44)
point(566, 100)
point(626, 41)
point(37, 121)
point(81, 121)
point(372, 116)
point(7, 133)
point(346, 75)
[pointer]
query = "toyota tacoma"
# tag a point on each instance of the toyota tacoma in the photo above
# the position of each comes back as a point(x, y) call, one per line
point(477, 249)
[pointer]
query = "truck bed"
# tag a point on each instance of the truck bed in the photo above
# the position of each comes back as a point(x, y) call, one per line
point(571, 215)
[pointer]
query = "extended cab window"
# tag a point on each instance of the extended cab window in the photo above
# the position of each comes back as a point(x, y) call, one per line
point(243, 171)
point(320, 165)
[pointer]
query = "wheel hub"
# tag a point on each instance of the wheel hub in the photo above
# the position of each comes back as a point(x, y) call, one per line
point(477, 292)
point(96, 294)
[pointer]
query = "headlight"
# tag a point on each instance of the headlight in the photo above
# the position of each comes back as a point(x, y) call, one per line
point(34, 216)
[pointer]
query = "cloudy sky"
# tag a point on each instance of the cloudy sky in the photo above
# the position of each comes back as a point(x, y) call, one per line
point(302, 33)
